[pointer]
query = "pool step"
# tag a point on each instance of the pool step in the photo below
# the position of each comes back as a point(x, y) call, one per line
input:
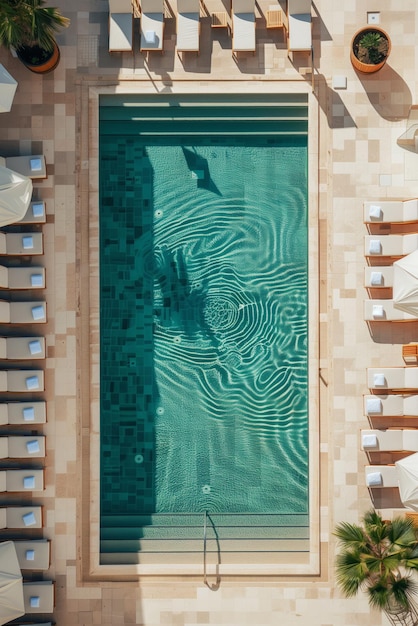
point(184, 533)
point(188, 115)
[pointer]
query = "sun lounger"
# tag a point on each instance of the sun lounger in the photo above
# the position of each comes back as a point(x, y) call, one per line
point(33, 555)
point(39, 597)
point(391, 211)
point(243, 26)
point(152, 25)
point(22, 413)
point(392, 378)
point(36, 213)
point(15, 381)
point(32, 166)
point(188, 25)
point(17, 244)
point(390, 245)
point(21, 480)
point(299, 19)
point(381, 476)
point(120, 26)
point(22, 312)
point(378, 277)
point(391, 405)
point(21, 348)
point(21, 517)
point(387, 440)
point(384, 311)
point(22, 447)
point(22, 277)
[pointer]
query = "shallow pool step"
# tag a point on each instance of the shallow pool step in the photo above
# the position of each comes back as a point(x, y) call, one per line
point(189, 545)
point(197, 519)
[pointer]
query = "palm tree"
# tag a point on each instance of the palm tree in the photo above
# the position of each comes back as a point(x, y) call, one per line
point(380, 557)
point(28, 24)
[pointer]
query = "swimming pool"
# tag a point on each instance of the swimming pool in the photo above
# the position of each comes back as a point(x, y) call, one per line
point(204, 311)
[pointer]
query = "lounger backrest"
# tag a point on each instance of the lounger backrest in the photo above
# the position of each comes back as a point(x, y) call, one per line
point(4, 277)
point(4, 312)
point(3, 518)
point(3, 380)
point(3, 243)
point(120, 6)
point(297, 7)
point(3, 481)
point(3, 348)
point(4, 447)
point(188, 6)
point(243, 6)
point(152, 6)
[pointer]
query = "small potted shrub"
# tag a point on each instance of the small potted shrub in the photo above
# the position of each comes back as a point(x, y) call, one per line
point(370, 49)
point(29, 27)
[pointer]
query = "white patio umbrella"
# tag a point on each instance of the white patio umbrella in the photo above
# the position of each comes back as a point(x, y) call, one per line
point(15, 196)
point(12, 603)
point(407, 469)
point(7, 90)
point(405, 284)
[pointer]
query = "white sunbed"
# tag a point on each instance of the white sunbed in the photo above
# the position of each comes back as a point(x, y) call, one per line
point(120, 26)
point(243, 26)
point(390, 245)
point(16, 480)
point(22, 312)
point(188, 25)
point(39, 596)
point(17, 244)
point(391, 405)
point(391, 211)
point(378, 277)
point(32, 166)
point(152, 25)
point(25, 381)
point(22, 413)
point(381, 476)
point(22, 447)
point(34, 554)
point(22, 277)
point(384, 311)
point(36, 213)
point(22, 348)
point(299, 18)
point(389, 440)
point(21, 517)
point(392, 378)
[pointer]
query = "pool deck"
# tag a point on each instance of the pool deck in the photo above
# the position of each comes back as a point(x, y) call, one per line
point(354, 147)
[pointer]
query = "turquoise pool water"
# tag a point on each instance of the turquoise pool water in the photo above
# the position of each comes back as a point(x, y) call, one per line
point(204, 327)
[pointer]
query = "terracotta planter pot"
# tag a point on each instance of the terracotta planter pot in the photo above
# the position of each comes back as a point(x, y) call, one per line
point(48, 63)
point(360, 66)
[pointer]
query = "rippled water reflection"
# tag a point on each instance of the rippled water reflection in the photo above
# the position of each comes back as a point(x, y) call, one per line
point(228, 263)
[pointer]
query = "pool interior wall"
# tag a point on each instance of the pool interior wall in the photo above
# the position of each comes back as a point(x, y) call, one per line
point(203, 316)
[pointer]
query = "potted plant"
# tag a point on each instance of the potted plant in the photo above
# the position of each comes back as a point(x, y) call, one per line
point(29, 27)
point(370, 49)
point(380, 557)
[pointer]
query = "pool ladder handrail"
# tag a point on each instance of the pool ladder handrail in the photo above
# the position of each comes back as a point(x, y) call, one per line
point(216, 585)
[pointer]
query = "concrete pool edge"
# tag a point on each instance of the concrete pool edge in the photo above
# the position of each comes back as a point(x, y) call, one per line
point(89, 449)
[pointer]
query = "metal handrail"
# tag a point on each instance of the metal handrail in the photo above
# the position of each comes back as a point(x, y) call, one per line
point(205, 520)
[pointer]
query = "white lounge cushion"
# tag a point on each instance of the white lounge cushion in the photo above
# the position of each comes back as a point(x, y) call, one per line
point(376, 279)
point(375, 212)
point(27, 242)
point(374, 479)
point(32, 383)
point(28, 414)
point(29, 519)
point(373, 405)
point(375, 246)
point(378, 312)
point(29, 482)
point(33, 446)
point(379, 380)
point(369, 441)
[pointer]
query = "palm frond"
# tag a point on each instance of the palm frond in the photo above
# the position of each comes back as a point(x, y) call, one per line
point(350, 534)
